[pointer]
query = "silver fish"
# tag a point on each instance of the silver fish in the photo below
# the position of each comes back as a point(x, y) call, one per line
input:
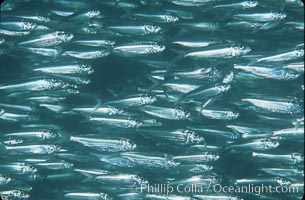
point(121, 179)
point(102, 110)
point(261, 17)
point(86, 15)
point(46, 99)
point(275, 106)
point(133, 101)
point(273, 181)
point(298, 66)
point(165, 113)
point(122, 122)
point(17, 168)
point(89, 54)
point(95, 42)
point(17, 25)
point(239, 5)
point(166, 197)
point(250, 132)
point(204, 157)
point(194, 44)
point(295, 134)
point(39, 134)
point(201, 73)
point(268, 72)
point(293, 158)
point(105, 145)
point(54, 165)
point(149, 161)
point(219, 114)
point(194, 168)
point(216, 133)
point(286, 56)
point(205, 93)
point(226, 52)
point(14, 33)
point(87, 196)
point(14, 194)
point(180, 87)
point(190, 3)
point(180, 137)
point(199, 180)
point(66, 68)
point(258, 144)
point(217, 197)
point(145, 29)
point(37, 85)
point(48, 52)
point(283, 172)
point(156, 17)
point(200, 25)
point(18, 107)
point(138, 48)
point(35, 149)
point(48, 40)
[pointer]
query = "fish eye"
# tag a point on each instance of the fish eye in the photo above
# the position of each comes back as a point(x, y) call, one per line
point(53, 80)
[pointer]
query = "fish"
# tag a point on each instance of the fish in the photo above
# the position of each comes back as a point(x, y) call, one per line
point(257, 144)
point(226, 52)
point(165, 113)
point(48, 40)
point(95, 42)
point(35, 85)
point(219, 114)
point(121, 122)
point(283, 107)
point(158, 17)
point(296, 134)
point(273, 181)
point(216, 133)
point(179, 137)
point(283, 172)
point(247, 4)
point(260, 17)
point(121, 179)
point(148, 161)
point(215, 197)
point(190, 3)
point(34, 134)
point(200, 180)
point(17, 25)
point(35, 149)
point(14, 194)
point(135, 29)
point(87, 195)
point(293, 158)
point(89, 54)
point(204, 157)
point(102, 110)
point(138, 48)
point(66, 68)
point(272, 73)
point(286, 56)
point(104, 144)
point(132, 101)
point(205, 93)
point(18, 168)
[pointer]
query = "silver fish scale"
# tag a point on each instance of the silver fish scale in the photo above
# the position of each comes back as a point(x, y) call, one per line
point(151, 99)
